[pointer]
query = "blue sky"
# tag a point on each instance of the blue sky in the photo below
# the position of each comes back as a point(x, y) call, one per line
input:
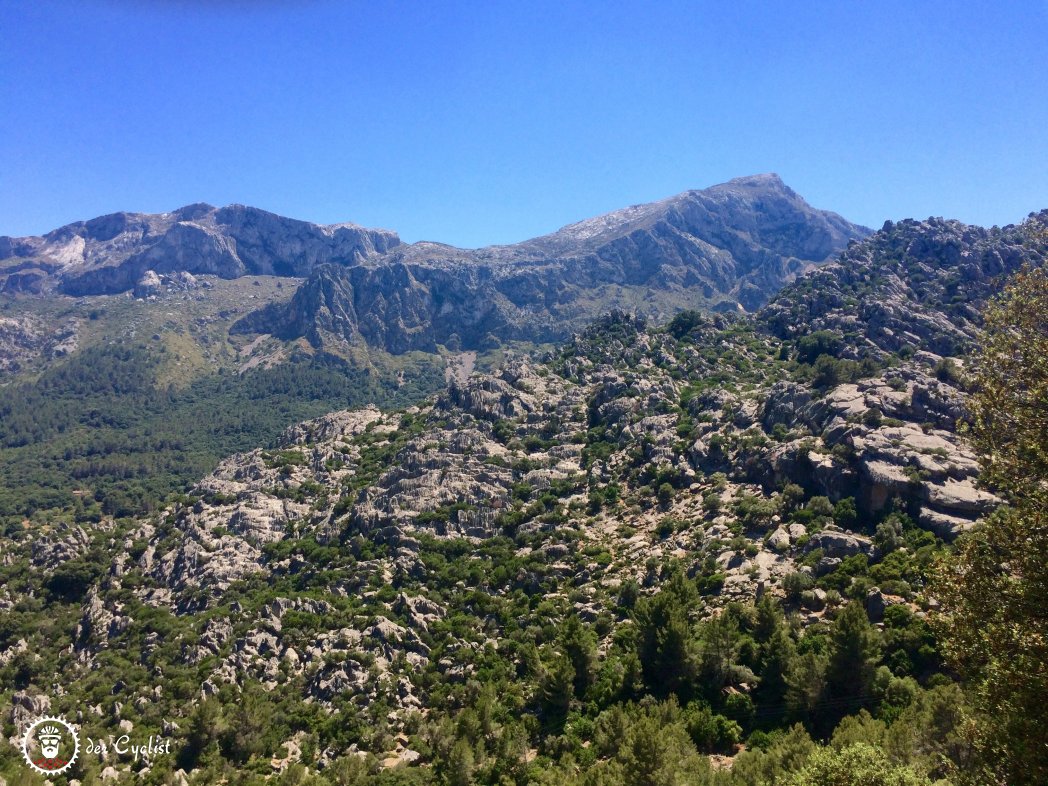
point(476, 123)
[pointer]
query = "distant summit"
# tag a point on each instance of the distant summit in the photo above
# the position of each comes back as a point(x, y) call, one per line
point(113, 253)
point(731, 245)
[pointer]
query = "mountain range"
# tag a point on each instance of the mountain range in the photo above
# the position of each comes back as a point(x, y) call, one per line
point(728, 247)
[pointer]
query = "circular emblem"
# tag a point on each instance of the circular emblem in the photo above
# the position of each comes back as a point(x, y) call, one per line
point(50, 745)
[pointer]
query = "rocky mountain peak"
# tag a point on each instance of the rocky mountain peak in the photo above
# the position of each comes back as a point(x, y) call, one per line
point(194, 211)
point(726, 246)
point(767, 181)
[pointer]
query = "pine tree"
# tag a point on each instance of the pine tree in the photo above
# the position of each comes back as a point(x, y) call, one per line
point(579, 644)
point(855, 649)
point(460, 764)
point(777, 654)
point(557, 686)
point(666, 642)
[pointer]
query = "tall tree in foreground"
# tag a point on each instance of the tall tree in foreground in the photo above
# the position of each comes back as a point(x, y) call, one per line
point(994, 590)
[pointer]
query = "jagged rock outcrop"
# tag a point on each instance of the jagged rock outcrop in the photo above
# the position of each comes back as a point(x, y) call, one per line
point(892, 437)
point(98, 623)
point(60, 546)
point(914, 284)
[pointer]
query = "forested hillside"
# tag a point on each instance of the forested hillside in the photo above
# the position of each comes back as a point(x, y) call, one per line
point(99, 436)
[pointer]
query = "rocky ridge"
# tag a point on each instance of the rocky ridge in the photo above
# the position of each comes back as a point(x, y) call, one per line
point(730, 246)
point(115, 253)
point(912, 285)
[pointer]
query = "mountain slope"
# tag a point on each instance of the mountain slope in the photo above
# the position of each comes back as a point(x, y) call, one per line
point(634, 407)
point(916, 284)
point(736, 243)
point(657, 532)
point(112, 253)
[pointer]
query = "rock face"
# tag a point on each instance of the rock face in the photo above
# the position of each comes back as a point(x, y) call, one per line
point(248, 502)
point(892, 437)
point(729, 246)
point(117, 252)
point(23, 339)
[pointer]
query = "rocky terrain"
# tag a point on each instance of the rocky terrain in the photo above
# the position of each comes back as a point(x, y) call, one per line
point(122, 251)
point(467, 464)
point(728, 247)
point(912, 285)
point(25, 339)
point(511, 562)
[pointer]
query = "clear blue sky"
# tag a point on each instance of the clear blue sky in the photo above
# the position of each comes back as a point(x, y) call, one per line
point(476, 123)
